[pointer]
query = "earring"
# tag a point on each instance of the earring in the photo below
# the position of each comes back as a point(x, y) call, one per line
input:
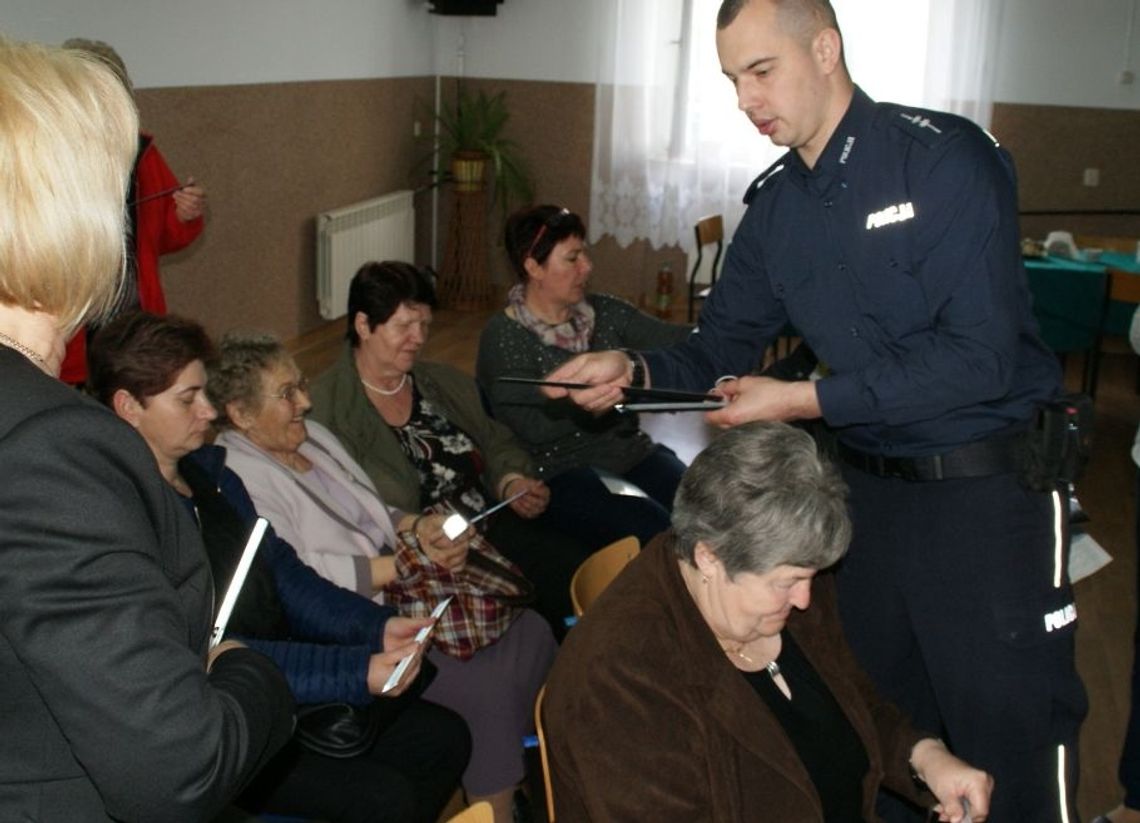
point(704, 579)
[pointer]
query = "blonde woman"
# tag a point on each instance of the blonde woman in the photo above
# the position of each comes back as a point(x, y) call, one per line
point(112, 709)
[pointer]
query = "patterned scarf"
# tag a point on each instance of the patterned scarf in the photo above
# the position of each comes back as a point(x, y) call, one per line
point(572, 335)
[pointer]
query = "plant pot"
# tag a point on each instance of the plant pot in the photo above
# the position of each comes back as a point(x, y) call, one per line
point(468, 169)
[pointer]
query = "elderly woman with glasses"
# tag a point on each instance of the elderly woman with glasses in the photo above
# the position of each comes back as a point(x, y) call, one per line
point(549, 318)
point(323, 503)
point(702, 686)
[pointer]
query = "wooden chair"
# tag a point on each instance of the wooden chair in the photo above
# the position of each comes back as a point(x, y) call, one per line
point(475, 813)
point(542, 755)
point(709, 230)
point(598, 570)
point(1123, 288)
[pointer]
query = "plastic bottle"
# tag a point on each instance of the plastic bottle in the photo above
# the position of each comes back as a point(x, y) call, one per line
point(664, 302)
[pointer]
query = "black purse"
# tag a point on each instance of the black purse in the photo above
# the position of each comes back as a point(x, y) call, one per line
point(342, 730)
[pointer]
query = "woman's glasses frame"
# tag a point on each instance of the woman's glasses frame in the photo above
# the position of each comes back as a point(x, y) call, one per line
point(289, 391)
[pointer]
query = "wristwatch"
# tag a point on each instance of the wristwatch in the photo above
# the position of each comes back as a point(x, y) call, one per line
point(637, 379)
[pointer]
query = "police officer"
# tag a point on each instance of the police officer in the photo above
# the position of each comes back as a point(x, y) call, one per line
point(888, 237)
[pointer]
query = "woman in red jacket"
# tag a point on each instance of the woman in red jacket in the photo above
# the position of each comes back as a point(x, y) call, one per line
point(165, 218)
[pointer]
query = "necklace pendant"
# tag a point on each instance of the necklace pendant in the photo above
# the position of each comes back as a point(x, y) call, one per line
point(773, 669)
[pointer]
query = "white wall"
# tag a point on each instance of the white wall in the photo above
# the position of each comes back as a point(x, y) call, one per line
point(526, 40)
point(220, 42)
point(1057, 52)
point(1061, 52)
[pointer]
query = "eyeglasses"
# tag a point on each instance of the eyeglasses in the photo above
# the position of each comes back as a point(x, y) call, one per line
point(549, 223)
point(290, 391)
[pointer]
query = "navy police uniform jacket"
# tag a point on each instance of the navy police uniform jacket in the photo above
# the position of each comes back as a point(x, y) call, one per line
point(897, 257)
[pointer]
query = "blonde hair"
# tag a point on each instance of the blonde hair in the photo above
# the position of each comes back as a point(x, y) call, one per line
point(106, 53)
point(68, 138)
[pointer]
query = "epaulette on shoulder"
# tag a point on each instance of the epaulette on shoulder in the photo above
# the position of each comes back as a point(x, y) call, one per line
point(763, 178)
point(926, 127)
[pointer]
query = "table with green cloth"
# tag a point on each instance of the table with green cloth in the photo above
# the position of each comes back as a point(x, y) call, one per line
point(1118, 318)
point(1068, 301)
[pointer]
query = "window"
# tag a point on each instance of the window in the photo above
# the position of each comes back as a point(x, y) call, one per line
point(670, 144)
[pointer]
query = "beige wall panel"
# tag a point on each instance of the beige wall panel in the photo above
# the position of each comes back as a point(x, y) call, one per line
point(1053, 145)
point(271, 158)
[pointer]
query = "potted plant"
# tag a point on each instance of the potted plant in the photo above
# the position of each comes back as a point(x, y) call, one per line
point(471, 139)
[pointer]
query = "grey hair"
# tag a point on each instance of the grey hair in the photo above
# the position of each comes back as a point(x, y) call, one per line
point(235, 376)
point(760, 496)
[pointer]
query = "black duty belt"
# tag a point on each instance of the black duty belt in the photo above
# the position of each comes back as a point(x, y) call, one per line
point(998, 455)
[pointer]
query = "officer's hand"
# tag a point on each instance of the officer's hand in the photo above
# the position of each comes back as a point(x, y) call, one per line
point(762, 398)
point(606, 371)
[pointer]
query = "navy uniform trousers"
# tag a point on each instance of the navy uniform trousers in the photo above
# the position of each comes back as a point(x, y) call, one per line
point(955, 597)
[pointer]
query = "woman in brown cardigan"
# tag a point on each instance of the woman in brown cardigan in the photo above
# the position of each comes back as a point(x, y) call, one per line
point(700, 686)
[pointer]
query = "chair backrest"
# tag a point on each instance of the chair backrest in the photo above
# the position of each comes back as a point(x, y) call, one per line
point(542, 755)
point(480, 812)
point(1123, 286)
point(598, 570)
point(708, 230)
point(1069, 307)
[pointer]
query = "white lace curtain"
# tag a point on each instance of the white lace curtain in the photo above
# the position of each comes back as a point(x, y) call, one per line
point(670, 146)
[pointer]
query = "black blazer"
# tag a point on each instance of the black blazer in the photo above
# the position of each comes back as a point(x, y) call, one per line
point(105, 610)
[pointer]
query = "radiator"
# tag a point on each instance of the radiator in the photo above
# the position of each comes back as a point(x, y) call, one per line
point(379, 229)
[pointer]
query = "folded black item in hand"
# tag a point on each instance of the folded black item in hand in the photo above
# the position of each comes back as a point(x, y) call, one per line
point(639, 399)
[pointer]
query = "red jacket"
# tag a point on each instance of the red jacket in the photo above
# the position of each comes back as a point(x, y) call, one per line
point(158, 231)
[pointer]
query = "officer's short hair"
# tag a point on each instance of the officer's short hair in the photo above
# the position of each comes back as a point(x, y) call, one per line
point(802, 18)
point(760, 496)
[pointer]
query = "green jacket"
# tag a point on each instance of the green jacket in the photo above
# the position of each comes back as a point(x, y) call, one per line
point(339, 402)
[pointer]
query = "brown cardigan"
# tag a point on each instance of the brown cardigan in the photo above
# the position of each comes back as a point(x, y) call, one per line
point(646, 719)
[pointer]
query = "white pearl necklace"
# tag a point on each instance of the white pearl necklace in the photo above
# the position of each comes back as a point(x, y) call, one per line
point(385, 392)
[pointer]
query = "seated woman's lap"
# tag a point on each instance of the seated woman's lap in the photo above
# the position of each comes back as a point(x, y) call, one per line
point(658, 475)
point(547, 557)
point(408, 775)
point(582, 506)
point(494, 692)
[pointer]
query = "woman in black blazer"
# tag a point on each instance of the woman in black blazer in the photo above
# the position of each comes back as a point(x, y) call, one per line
point(110, 706)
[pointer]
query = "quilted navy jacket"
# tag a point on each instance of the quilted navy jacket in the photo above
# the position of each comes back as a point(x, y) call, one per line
point(328, 634)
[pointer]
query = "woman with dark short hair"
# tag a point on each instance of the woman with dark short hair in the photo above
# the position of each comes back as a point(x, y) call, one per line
point(422, 435)
point(701, 686)
point(549, 318)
